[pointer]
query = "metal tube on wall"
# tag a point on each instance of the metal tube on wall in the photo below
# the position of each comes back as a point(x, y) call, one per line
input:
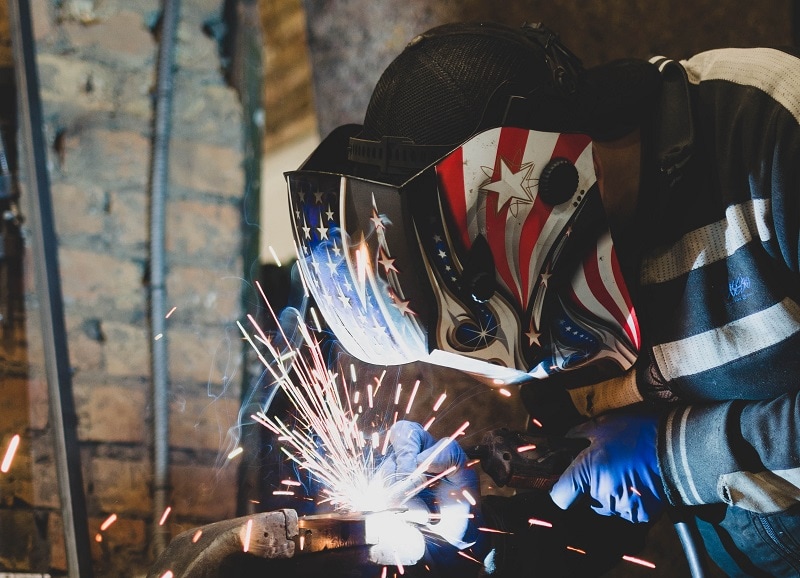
point(48, 289)
point(158, 194)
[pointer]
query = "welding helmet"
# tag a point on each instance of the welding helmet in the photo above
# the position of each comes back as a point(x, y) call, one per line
point(462, 223)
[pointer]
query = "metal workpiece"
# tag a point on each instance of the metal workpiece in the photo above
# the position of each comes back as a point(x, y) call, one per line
point(205, 552)
point(321, 532)
point(270, 543)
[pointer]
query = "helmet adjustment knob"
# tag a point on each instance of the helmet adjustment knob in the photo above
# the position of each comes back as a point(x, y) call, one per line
point(558, 181)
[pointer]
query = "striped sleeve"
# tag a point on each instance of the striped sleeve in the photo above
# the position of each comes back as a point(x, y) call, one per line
point(738, 453)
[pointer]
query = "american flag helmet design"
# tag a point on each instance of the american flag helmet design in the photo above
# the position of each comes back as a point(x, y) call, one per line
point(390, 266)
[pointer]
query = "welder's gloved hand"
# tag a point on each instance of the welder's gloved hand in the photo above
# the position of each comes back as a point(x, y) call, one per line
point(619, 470)
point(410, 446)
point(415, 456)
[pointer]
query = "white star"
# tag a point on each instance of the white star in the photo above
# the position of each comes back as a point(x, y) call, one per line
point(533, 337)
point(376, 221)
point(546, 277)
point(306, 230)
point(403, 307)
point(323, 232)
point(388, 264)
point(511, 186)
point(318, 197)
point(345, 300)
point(437, 239)
point(442, 254)
point(336, 250)
point(329, 213)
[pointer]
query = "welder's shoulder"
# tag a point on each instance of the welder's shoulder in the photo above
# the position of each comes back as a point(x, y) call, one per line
point(770, 69)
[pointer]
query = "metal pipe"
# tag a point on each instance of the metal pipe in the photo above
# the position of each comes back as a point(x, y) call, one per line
point(48, 289)
point(158, 192)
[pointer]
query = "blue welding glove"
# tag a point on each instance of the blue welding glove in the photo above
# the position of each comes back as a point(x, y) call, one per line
point(411, 446)
point(619, 470)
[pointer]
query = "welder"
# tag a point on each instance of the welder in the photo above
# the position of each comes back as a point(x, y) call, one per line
point(622, 241)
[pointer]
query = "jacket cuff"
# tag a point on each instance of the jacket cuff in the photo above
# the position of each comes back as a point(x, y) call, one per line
point(694, 452)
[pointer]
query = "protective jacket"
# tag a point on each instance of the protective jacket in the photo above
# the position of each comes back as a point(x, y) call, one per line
point(719, 292)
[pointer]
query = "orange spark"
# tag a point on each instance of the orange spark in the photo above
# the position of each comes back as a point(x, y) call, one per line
point(578, 550)
point(504, 392)
point(399, 565)
point(12, 449)
point(429, 423)
point(527, 448)
point(171, 311)
point(164, 516)
point(196, 536)
point(248, 530)
point(439, 402)
point(535, 522)
point(493, 531)
point(639, 561)
point(110, 520)
point(413, 395)
point(468, 557)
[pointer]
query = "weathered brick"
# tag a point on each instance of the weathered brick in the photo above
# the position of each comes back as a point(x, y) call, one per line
point(208, 168)
point(40, 14)
point(128, 218)
point(135, 95)
point(122, 36)
point(203, 492)
point(109, 156)
point(202, 422)
point(100, 282)
point(38, 399)
point(203, 296)
point(32, 479)
point(204, 230)
point(195, 50)
point(80, 210)
point(55, 536)
point(26, 548)
point(110, 414)
point(45, 479)
point(65, 80)
point(127, 349)
point(121, 487)
point(124, 536)
point(14, 406)
point(210, 357)
point(85, 346)
point(212, 114)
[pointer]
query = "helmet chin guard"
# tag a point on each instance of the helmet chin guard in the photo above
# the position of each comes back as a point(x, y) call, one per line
point(496, 259)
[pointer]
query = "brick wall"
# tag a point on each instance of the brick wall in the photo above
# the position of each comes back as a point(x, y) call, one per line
point(96, 63)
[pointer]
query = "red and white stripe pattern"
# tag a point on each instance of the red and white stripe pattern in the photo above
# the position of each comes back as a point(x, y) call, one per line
point(491, 187)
